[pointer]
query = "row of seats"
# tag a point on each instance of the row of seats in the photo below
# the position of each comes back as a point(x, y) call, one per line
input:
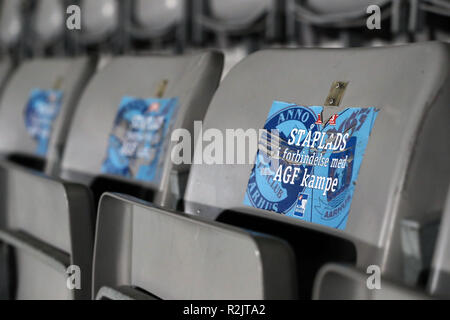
point(61, 213)
point(38, 27)
point(86, 113)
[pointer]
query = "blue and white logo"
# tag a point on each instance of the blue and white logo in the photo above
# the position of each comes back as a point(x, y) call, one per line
point(301, 156)
point(138, 136)
point(40, 112)
point(263, 192)
point(300, 208)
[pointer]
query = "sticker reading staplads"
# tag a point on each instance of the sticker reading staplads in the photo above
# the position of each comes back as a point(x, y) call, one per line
point(306, 168)
point(138, 136)
point(39, 114)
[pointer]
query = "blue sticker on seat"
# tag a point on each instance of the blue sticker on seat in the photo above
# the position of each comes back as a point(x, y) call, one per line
point(40, 113)
point(307, 169)
point(137, 138)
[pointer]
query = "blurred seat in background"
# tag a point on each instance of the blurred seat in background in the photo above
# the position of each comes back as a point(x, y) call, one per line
point(102, 28)
point(11, 27)
point(47, 33)
point(10, 42)
point(238, 27)
point(143, 252)
point(429, 20)
point(342, 23)
point(36, 108)
point(157, 24)
point(46, 226)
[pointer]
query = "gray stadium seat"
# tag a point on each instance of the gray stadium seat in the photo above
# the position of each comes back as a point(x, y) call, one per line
point(100, 22)
point(159, 26)
point(238, 12)
point(429, 19)
point(232, 16)
point(49, 24)
point(155, 18)
point(100, 18)
point(338, 16)
point(192, 79)
point(11, 24)
point(404, 172)
point(143, 252)
point(45, 227)
point(440, 7)
point(34, 79)
point(238, 27)
point(439, 282)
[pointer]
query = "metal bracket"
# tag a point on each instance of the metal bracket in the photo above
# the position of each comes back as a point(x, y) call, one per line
point(58, 83)
point(336, 93)
point(161, 89)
